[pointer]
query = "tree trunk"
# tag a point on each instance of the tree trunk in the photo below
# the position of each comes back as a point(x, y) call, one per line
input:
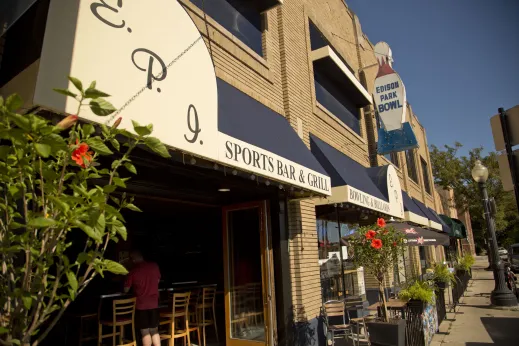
point(382, 297)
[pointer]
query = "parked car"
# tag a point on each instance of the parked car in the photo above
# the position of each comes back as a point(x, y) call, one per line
point(513, 257)
point(502, 251)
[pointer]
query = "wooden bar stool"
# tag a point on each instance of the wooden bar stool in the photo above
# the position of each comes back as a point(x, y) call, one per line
point(123, 315)
point(193, 321)
point(179, 311)
point(207, 302)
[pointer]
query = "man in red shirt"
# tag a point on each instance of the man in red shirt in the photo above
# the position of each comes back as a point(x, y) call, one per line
point(144, 279)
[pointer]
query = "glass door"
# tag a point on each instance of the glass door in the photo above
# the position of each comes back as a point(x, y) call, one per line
point(248, 276)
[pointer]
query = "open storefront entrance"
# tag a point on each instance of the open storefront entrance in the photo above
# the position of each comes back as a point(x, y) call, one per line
point(248, 275)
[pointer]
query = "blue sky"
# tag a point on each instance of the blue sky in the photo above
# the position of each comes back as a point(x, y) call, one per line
point(459, 60)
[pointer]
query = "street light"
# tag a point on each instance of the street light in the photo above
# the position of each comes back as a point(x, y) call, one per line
point(501, 295)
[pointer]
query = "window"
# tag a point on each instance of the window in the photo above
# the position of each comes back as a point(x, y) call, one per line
point(330, 260)
point(240, 18)
point(411, 165)
point(425, 173)
point(329, 94)
point(393, 158)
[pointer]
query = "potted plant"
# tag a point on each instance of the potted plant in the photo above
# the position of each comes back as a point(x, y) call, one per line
point(442, 275)
point(418, 293)
point(377, 248)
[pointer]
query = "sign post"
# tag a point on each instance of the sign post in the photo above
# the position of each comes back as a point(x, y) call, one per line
point(509, 153)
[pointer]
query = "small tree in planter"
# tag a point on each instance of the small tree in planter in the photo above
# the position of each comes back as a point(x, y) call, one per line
point(52, 186)
point(377, 248)
point(442, 275)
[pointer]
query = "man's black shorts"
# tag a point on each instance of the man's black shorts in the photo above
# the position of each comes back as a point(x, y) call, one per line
point(145, 319)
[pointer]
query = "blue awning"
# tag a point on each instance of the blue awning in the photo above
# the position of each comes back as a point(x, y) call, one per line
point(432, 219)
point(410, 205)
point(243, 118)
point(350, 181)
point(412, 211)
point(342, 169)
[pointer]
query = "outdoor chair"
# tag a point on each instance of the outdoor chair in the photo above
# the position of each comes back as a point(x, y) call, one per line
point(123, 314)
point(177, 318)
point(331, 309)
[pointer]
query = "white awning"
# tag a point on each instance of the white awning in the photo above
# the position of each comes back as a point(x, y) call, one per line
point(327, 58)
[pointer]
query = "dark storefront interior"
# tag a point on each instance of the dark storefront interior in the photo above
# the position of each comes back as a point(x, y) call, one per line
point(180, 228)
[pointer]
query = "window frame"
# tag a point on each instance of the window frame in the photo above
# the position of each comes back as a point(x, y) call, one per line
point(412, 170)
point(425, 175)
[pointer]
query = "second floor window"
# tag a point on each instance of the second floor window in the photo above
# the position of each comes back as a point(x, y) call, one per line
point(411, 165)
point(240, 18)
point(425, 173)
point(329, 94)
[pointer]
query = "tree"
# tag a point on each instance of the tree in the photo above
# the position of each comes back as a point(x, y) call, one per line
point(377, 249)
point(55, 193)
point(453, 171)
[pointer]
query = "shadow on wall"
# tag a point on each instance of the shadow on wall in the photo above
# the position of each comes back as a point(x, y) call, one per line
point(302, 332)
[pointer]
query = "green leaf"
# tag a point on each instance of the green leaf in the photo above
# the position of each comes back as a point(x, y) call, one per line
point(15, 341)
point(156, 145)
point(100, 224)
point(88, 129)
point(4, 152)
point(65, 92)
point(82, 257)
point(1, 104)
point(42, 149)
point(72, 294)
point(114, 267)
point(113, 212)
point(27, 302)
point(109, 188)
point(120, 229)
point(15, 225)
point(77, 83)
point(133, 207)
point(88, 230)
point(55, 141)
point(72, 280)
point(63, 206)
point(119, 182)
point(92, 85)
point(20, 121)
point(140, 130)
point(115, 143)
point(13, 102)
point(131, 168)
point(92, 93)
point(101, 107)
point(41, 222)
point(3, 330)
point(99, 146)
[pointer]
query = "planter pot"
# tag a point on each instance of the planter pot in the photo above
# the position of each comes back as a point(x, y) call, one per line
point(387, 334)
point(416, 305)
point(441, 284)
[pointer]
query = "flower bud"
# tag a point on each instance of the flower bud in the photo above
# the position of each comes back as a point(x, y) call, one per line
point(67, 122)
point(117, 122)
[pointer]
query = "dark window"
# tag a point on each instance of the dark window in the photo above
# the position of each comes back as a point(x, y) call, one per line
point(411, 165)
point(330, 95)
point(425, 173)
point(330, 260)
point(241, 18)
point(393, 158)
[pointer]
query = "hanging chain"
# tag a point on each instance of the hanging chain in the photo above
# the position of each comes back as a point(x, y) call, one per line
point(138, 93)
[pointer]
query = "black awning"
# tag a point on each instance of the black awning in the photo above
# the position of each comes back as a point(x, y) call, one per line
point(411, 206)
point(417, 236)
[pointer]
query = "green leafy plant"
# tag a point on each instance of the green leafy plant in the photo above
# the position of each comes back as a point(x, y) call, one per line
point(418, 290)
point(376, 248)
point(55, 191)
point(441, 273)
point(464, 262)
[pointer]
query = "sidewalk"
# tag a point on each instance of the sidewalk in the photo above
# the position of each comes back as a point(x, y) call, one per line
point(475, 323)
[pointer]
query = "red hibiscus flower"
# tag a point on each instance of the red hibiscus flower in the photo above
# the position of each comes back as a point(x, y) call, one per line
point(376, 243)
point(394, 243)
point(370, 234)
point(381, 222)
point(81, 152)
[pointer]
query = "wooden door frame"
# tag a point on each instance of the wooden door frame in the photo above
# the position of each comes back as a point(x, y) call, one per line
point(267, 273)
